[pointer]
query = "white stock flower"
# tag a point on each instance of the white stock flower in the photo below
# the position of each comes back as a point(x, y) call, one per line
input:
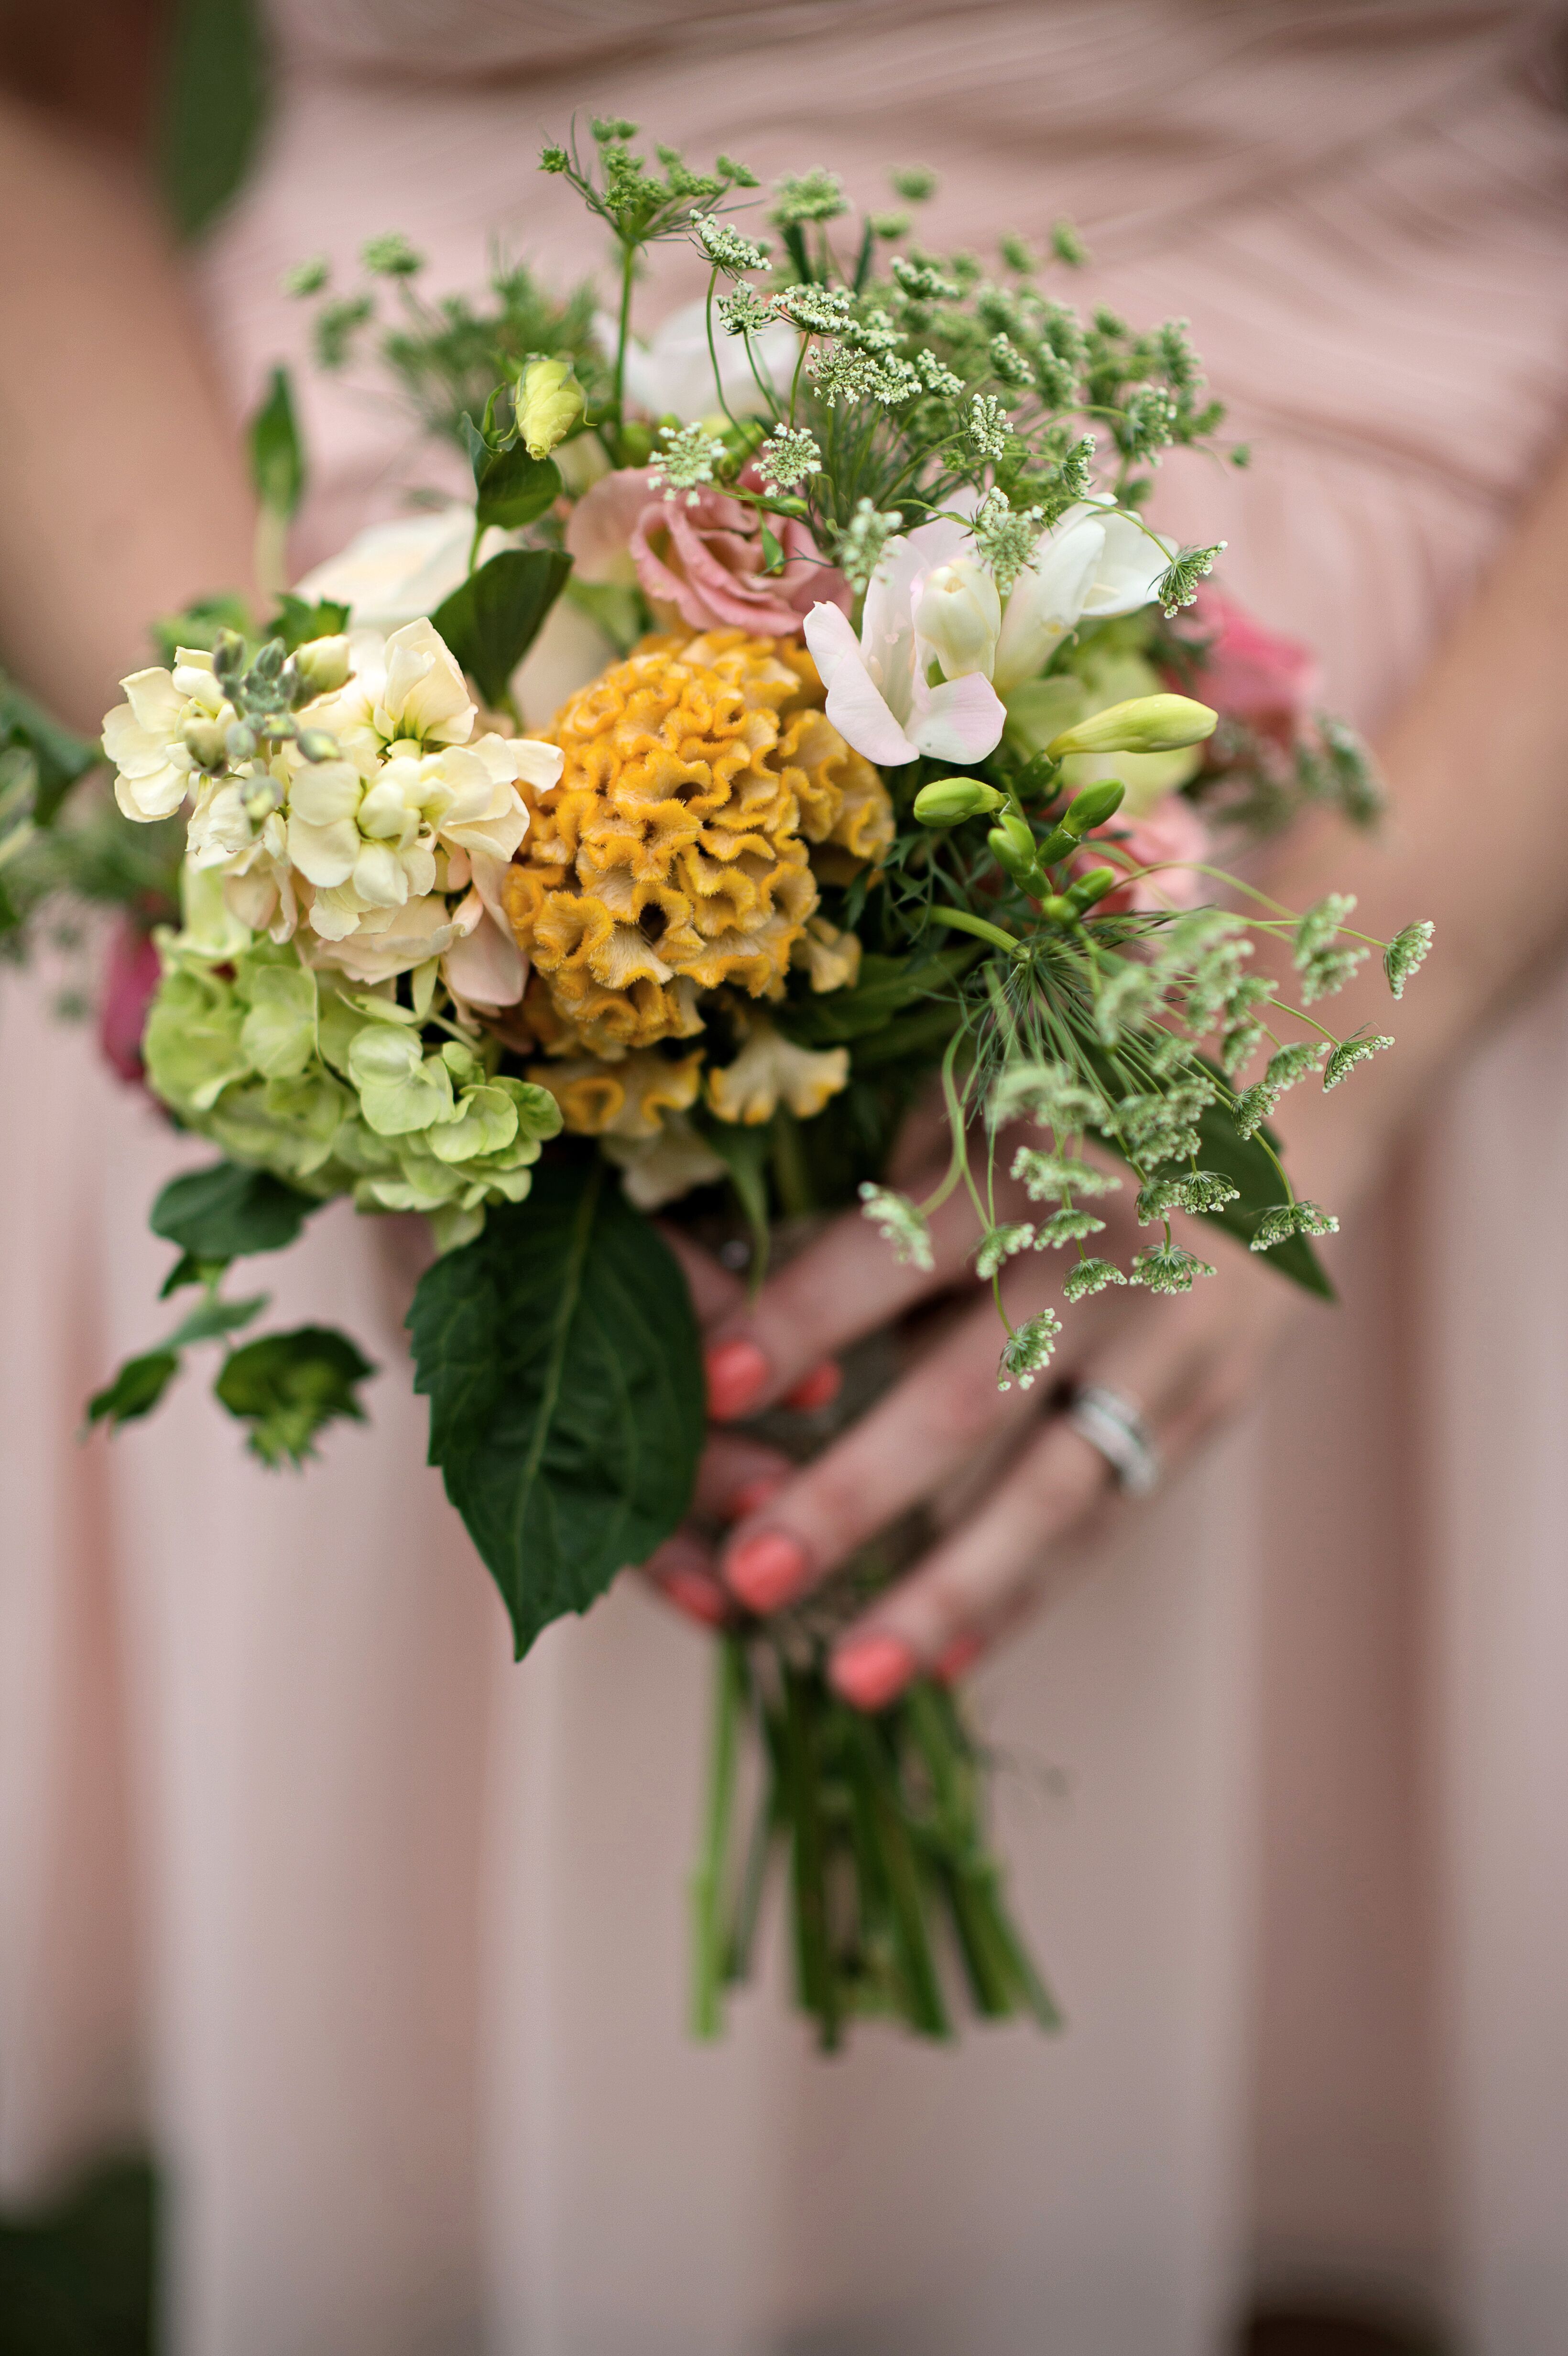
point(673, 375)
point(144, 737)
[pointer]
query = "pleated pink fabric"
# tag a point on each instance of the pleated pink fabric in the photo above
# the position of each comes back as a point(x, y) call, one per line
point(381, 1938)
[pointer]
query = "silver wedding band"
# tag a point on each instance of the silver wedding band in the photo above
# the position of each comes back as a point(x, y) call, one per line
point(1112, 1425)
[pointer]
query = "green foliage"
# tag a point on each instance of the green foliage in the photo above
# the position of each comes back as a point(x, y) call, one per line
point(276, 453)
point(296, 622)
point(215, 105)
point(289, 1387)
point(492, 619)
point(76, 2277)
point(560, 1357)
point(136, 1389)
point(510, 487)
point(227, 1212)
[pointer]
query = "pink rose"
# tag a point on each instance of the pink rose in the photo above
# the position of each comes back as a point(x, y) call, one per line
point(1249, 673)
point(1171, 831)
point(131, 978)
point(702, 554)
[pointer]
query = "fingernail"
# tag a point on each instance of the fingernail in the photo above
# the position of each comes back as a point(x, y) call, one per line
point(766, 1571)
point(737, 1377)
point(869, 1670)
point(960, 1654)
point(752, 1496)
point(699, 1597)
point(818, 1389)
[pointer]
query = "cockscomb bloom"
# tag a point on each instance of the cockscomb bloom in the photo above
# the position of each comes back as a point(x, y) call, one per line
point(703, 792)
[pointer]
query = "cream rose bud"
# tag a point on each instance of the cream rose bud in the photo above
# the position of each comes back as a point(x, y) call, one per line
point(958, 615)
point(549, 402)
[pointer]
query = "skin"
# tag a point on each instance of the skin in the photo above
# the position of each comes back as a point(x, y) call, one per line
point(122, 496)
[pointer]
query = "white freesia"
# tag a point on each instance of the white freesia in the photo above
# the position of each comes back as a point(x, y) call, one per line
point(673, 375)
point(145, 737)
point(1094, 563)
point(938, 643)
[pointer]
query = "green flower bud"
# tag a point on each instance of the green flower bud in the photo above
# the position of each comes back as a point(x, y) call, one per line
point(239, 742)
point(1057, 910)
point(1057, 845)
point(316, 744)
point(1094, 806)
point(1020, 834)
point(1017, 864)
point(322, 666)
point(1092, 886)
point(549, 402)
point(947, 800)
point(1148, 723)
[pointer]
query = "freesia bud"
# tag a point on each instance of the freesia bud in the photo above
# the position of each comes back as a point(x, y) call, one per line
point(947, 800)
point(204, 741)
point(1148, 723)
point(958, 615)
point(549, 402)
point(1094, 806)
point(1092, 886)
point(321, 665)
point(1015, 857)
point(1060, 910)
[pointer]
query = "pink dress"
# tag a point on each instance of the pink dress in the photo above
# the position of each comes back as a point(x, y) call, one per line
point(380, 1938)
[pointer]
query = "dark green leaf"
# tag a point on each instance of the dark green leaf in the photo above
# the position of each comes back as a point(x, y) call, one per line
point(560, 1357)
point(225, 1212)
point(886, 987)
point(296, 622)
point(290, 1387)
point(188, 1270)
point(136, 1388)
point(1248, 1167)
point(213, 107)
point(513, 488)
point(277, 456)
point(492, 620)
point(773, 554)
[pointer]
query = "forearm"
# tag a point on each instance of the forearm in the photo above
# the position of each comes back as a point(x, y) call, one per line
point(1476, 839)
point(122, 491)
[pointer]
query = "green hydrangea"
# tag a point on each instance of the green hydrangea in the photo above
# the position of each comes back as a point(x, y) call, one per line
point(336, 1090)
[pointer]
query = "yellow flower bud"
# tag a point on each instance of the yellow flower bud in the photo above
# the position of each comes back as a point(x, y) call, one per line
point(549, 402)
point(1148, 723)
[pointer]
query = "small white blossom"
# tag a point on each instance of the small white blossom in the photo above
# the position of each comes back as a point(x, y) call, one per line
point(686, 461)
point(726, 248)
point(988, 427)
point(901, 1223)
point(787, 458)
point(1028, 1350)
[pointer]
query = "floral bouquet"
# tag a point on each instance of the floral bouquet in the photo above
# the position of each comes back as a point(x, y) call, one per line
point(897, 750)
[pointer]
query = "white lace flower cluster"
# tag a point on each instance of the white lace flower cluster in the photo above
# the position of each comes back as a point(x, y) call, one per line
point(376, 837)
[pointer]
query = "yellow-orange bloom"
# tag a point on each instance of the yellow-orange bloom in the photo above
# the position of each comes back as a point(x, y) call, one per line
point(703, 793)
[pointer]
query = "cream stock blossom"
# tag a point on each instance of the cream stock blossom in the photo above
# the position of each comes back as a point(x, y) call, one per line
point(146, 736)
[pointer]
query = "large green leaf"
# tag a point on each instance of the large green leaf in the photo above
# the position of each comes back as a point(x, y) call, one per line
point(492, 619)
point(560, 1354)
point(1247, 1165)
point(510, 487)
point(59, 756)
point(224, 1212)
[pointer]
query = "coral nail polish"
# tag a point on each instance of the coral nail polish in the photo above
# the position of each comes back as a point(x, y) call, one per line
point(766, 1571)
point(869, 1670)
point(818, 1389)
point(737, 1377)
point(752, 1496)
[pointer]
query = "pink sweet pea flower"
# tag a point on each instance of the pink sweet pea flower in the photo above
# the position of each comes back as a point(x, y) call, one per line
point(131, 978)
point(1172, 830)
point(1249, 674)
point(702, 554)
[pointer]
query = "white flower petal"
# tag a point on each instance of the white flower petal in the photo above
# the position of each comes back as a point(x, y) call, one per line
point(855, 705)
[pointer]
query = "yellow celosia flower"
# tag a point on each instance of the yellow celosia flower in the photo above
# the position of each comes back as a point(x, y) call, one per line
point(702, 786)
point(621, 1099)
point(770, 1067)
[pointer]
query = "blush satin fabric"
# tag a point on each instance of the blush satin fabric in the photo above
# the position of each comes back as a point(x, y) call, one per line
point(381, 1938)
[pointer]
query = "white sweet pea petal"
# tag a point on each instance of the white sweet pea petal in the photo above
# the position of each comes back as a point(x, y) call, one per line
point(1047, 600)
point(957, 616)
point(855, 705)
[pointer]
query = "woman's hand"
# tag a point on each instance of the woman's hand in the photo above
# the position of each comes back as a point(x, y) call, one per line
point(1005, 1474)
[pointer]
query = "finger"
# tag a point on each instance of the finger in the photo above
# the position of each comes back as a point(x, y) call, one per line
point(682, 1572)
point(846, 1284)
point(980, 1577)
point(737, 1475)
point(944, 1413)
